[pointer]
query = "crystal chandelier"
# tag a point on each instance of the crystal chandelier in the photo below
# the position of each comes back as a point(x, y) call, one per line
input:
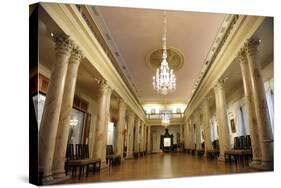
point(164, 81)
point(165, 119)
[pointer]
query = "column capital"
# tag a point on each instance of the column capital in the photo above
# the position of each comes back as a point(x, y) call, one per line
point(251, 46)
point(241, 56)
point(76, 55)
point(220, 84)
point(63, 43)
point(103, 86)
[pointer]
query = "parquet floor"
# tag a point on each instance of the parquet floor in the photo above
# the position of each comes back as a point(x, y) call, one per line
point(160, 165)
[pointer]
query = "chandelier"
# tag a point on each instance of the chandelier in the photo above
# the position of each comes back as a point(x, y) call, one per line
point(165, 119)
point(164, 81)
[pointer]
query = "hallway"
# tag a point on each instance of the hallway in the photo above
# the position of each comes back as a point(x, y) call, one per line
point(168, 165)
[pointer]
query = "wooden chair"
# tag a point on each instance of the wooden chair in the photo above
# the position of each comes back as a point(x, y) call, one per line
point(111, 158)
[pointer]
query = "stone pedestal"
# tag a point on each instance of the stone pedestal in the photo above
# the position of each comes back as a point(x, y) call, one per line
point(261, 109)
point(52, 107)
point(250, 108)
point(66, 108)
point(221, 114)
point(119, 138)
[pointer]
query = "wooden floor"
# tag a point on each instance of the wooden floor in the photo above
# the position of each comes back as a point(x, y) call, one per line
point(160, 165)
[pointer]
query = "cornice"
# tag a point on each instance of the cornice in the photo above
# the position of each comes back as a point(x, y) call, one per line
point(70, 20)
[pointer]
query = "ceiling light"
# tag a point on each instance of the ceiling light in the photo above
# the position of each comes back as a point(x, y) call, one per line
point(164, 81)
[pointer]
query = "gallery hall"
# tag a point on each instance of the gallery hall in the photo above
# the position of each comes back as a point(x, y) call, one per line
point(120, 94)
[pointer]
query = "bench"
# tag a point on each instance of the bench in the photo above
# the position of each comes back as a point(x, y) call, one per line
point(80, 159)
point(111, 158)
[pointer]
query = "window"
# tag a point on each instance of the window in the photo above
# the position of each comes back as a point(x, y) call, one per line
point(76, 126)
point(39, 101)
point(110, 133)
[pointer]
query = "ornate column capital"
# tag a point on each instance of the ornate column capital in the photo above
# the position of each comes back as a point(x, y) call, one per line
point(63, 44)
point(251, 46)
point(241, 56)
point(103, 86)
point(220, 84)
point(76, 55)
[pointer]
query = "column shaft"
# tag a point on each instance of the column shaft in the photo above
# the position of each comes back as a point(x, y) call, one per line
point(137, 131)
point(130, 137)
point(207, 130)
point(102, 118)
point(221, 115)
point(148, 139)
point(119, 138)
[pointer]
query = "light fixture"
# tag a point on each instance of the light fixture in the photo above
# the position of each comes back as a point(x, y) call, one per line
point(165, 119)
point(164, 81)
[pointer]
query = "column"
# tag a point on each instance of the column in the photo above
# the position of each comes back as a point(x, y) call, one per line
point(198, 130)
point(206, 123)
point(221, 115)
point(186, 137)
point(148, 139)
point(192, 134)
point(250, 108)
point(137, 131)
point(104, 92)
point(145, 139)
point(130, 137)
point(119, 138)
point(52, 107)
point(141, 136)
point(261, 109)
point(181, 133)
point(66, 108)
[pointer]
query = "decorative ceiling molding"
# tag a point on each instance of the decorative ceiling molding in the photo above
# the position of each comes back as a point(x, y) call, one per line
point(110, 47)
point(175, 59)
point(223, 33)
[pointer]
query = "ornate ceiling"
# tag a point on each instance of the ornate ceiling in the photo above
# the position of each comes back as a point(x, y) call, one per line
point(134, 36)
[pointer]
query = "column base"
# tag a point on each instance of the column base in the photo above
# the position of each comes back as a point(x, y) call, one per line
point(130, 156)
point(255, 164)
point(53, 181)
point(221, 158)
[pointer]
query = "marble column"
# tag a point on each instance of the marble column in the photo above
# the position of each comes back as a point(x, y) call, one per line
point(141, 136)
point(221, 114)
point(192, 134)
point(261, 109)
point(102, 120)
point(137, 136)
point(145, 139)
point(250, 108)
point(148, 139)
point(119, 137)
point(52, 107)
point(186, 137)
point(66, 108)
point(198, 130)
point(181, 133)
point(130, 137)
point(206, 123)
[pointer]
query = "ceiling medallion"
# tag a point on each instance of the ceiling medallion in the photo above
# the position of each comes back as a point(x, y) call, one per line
point(174, 57)
point(164, 81)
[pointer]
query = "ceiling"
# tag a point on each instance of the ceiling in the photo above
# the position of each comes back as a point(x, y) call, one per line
point(137, 32)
